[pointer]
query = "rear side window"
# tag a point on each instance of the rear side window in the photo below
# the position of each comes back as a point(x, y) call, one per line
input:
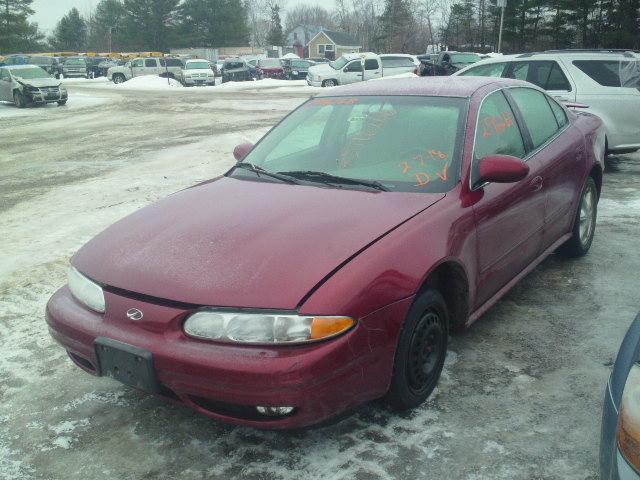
point(371, 64)
point(489, 70)
point(558, 112)
point(537, 114)
point(611, 73)
point(497, 131)
point(150, 62)
point(544, 74)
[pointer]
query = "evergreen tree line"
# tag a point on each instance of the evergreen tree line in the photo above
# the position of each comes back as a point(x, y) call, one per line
point(379, 25)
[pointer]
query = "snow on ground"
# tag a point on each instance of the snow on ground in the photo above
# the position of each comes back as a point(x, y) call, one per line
point(84, 81)
point(76, 101)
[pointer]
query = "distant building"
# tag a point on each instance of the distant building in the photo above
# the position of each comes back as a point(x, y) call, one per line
point(331, 44)
point(300, 36)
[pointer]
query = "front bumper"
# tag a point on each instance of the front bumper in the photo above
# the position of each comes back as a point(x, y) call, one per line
point(226, 382)
point(46, 95)
point(198, 81)
point(312, 83)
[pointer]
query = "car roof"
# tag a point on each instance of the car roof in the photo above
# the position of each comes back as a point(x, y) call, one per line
point(524, 57)
point(422, 86)
point(20, 67)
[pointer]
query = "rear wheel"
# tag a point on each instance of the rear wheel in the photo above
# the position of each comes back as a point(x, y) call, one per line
point(421, 351)
point(584, 225)
point(18, 99)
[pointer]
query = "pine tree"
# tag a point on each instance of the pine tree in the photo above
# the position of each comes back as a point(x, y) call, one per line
point(276, 36)
point(150, 24)
point(396, 26)
point(70, 33)
point(105, 26)
point(17, 34)
point(213, 23)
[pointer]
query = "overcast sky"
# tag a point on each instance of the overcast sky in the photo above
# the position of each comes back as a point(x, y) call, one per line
point(48, 12)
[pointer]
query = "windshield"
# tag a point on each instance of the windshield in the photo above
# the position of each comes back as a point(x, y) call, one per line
point(407, 143)
point(75, 61)
point(41, 60)
point(299, 64)
point(465, 58)
point(197, 65)
point(232, 65)
point(269, 63)
point(339, 63)
point(30, 73)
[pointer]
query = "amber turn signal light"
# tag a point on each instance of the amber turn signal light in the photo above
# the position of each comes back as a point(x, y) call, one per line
point(324, 327)
point(628, 433)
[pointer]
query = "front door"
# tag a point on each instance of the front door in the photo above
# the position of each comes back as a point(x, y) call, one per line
point(151, 66)
point(352, 72)
point(509, 216)
point(137, 67)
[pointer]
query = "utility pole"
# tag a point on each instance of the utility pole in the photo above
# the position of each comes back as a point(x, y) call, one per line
point(502, 4)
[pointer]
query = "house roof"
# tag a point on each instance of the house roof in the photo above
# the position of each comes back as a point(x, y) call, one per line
point(339, 38)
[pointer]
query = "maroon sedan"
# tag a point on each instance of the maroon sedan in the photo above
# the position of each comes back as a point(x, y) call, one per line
point(269, 68)
point(329, 265)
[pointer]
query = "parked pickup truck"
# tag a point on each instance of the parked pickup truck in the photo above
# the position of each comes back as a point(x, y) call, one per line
point(446, 63)
point(138, 67)
point(346, 69)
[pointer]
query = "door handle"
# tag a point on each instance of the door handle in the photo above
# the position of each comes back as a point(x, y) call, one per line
point(536, 183)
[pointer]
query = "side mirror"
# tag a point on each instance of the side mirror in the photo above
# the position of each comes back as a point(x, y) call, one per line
point(502, 169)
point(242, 151)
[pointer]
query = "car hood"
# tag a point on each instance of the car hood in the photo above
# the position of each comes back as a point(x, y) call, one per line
point(243, 243)
point(322, 69)
point(39, 82)
point(271, 69)
point(197, 70)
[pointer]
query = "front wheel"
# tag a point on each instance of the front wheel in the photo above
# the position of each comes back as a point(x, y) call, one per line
point(18, 99)
point(329, 83)
point(62, 103)
point(421, 351)
point(584, 224)
point(118, 78)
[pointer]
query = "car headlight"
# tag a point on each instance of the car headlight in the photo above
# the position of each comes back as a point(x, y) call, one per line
point(63, 89)
point(259, 328)
point(86, 291)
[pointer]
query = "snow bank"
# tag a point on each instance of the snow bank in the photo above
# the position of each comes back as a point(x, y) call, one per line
point(149, 82)
point(83, 81)
point(262, 84)
point(76, 101)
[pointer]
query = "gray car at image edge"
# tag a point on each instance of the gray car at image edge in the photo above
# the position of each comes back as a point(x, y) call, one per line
point(30, 84)
point(620, 434)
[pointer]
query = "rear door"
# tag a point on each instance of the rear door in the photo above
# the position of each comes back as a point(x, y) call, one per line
point(509, 216)
point(151, 66)
point(372, 68)
point(559, 148)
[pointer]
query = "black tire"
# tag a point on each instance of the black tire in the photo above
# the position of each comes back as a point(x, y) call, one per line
point(118, 78)
point(18, 99)
point(62, 103)
point(584, 224)
point(421, 351)
point(330, 83)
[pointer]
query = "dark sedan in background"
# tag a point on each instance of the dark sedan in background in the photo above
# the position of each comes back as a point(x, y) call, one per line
point(620, 436)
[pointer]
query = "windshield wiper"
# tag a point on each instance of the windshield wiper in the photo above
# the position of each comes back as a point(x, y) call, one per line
point(330, 179)
point(261, 171)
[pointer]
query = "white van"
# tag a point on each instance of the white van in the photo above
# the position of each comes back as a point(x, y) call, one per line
point(346, 69)
point(607, 81)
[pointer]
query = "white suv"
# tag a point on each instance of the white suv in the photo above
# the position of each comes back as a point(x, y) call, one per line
point(607, 81)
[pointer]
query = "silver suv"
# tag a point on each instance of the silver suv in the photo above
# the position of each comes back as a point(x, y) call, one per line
point(607, 81)
point(138, 67)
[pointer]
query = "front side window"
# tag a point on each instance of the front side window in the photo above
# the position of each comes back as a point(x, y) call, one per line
point(537, 114)
point(407, 143)
point(497, 132)
point(489, 70)
point(137, 63)
point(355, 66)
point(150, 62)
point(4, 75)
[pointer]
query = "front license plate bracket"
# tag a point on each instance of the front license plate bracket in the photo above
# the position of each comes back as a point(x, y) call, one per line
point(126, 363)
